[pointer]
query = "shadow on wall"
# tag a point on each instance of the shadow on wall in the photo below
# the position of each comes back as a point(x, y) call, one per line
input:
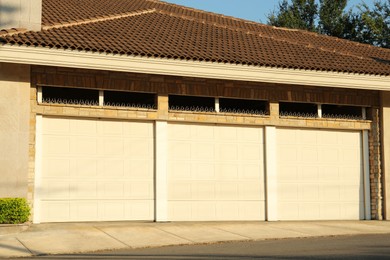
point(7, 16)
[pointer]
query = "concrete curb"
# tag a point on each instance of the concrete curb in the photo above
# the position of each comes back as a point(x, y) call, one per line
point(11, 229)
point(68, 238)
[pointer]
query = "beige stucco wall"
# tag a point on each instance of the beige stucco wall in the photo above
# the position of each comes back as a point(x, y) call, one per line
point(14, 129)
point(385, 96)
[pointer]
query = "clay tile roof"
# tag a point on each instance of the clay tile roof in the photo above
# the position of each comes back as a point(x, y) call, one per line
point(152, 28)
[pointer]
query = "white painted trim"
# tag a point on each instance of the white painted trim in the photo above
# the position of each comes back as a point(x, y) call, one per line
point(364, 113)
point(39, 95)
point(161, 171)
point(366, 176)
point(101, 98)
point(217, 105)
point(38, 170)
point(271, 174)
point(102, 61)
point(319, 110)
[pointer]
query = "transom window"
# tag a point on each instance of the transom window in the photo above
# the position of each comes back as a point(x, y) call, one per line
point(191, 103)
point(57, 95)
point(243, 106)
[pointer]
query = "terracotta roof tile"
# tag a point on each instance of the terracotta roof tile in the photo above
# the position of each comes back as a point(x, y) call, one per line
point(156, 29)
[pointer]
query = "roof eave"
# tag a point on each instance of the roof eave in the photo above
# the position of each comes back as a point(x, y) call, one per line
point(124, 63)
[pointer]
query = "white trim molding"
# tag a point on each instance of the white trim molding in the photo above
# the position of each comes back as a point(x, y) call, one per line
point(213, 70)
point(161, 171)
point(271, 174)
point(38, 170)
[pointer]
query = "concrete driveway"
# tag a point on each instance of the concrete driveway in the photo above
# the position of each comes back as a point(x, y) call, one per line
point(66, 238)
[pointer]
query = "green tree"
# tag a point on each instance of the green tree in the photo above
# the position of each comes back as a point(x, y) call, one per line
point(301, 14)
point(330, 17)
point(375, 24)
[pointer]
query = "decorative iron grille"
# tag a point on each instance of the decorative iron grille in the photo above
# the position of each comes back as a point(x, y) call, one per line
point(70, 101)
point(191, 108)
point(130, 105)
point(298, 114)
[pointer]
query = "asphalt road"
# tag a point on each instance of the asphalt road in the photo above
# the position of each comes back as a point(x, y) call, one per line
point(343, 247)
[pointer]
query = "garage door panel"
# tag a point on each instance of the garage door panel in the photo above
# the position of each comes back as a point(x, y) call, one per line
point(250, 191)
point(82, 168)
point(204, 171)
point(226, 190)
point(307, 173)
point(83, 211)
point(226, 171)
point(250, 152)
point(331, 192)
point(83, 146)
point(139, 210)
point(55, 189)
point(227, 152)
point(287, 172)
point(83, 190)
point(329, 174)
point(227, 133)
point(250, 171)
point(181, 190)
point(330, 155)
point(56, 167)
point(112, 128)
point(309, 154)
point(108, 163)
point(56, 126)
point(55, 211)
point(250, 135)
point(308, 192)
point(54, 145)
point(139, 170)
point(203, 151)
point(288, 192)
point(83, 127)
point(309, 211)
point(205, 191)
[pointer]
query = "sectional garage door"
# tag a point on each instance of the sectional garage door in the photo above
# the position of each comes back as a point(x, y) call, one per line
point(319, 175)
point(215, 173)
point(96, 170)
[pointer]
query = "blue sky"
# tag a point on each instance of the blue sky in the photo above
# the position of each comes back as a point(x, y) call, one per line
point(255, 10)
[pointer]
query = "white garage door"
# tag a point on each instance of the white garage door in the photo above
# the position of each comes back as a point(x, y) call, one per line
point(215, 173)
point(96, 170)
point(319, 175)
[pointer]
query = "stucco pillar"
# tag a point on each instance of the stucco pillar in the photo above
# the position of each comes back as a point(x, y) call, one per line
point(385, 104)
point(14, 129)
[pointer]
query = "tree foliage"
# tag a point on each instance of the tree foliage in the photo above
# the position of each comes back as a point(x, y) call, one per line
point(330, 17)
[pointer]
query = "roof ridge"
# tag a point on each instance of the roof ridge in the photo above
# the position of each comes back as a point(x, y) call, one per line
point(270, 26)
point(279, 39)
point(100, 19)
point(210, 13)
point(334, 38)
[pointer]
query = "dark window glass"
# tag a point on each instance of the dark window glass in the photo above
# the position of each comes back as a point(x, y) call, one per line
point(245, 106)
point(191, 103)
point(130, 99)
point(70, 96)
point(347, 112)
point(298, 109)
